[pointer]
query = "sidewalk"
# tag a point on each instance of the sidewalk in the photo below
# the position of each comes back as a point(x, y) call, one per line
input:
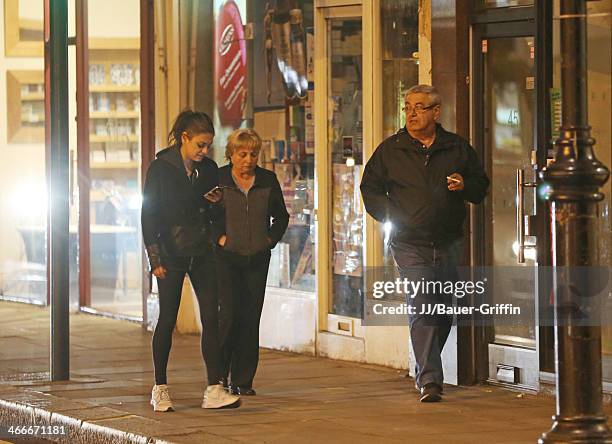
point(299, 398)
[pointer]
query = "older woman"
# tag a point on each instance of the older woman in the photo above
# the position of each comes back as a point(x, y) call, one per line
point(255, 220)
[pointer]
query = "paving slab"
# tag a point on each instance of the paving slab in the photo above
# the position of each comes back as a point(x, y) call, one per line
point(301, 399)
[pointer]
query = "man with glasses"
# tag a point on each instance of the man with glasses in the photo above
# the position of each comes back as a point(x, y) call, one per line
point(419, 179)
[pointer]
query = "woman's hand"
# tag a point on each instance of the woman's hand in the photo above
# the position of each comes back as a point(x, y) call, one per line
point(214, 196)
point(160, 272)
point(222, 240)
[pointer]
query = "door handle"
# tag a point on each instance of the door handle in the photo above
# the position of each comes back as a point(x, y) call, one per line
point(520, 212)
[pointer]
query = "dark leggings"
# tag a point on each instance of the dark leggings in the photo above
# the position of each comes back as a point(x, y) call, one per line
point(201, 271)
point(242, 286)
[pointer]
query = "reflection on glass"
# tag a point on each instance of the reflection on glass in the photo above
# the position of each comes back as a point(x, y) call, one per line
point(509, 102)
point(400, 71)
point(285, 38)
point(115, 152)
point(345, 137)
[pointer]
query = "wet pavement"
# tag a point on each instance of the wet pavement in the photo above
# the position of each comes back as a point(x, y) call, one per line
point(299, 398)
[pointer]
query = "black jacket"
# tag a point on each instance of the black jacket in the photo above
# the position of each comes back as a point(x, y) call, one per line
point(254, 222)
point(405, 183)
point(176, 218)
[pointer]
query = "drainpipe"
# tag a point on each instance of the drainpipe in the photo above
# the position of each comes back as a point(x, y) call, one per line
point(574, 180)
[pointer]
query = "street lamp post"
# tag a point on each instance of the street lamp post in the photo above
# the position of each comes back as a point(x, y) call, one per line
point(574, 179)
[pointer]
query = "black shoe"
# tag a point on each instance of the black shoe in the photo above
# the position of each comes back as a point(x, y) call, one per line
point(431, 392)
point(242, 391)
point(417, 388)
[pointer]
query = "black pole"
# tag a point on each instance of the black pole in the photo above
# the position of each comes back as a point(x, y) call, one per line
point(56, 73)
point(252, 58)
point(574, 179)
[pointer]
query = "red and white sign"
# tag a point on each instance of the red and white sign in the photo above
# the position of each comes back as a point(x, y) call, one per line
point(230, 66)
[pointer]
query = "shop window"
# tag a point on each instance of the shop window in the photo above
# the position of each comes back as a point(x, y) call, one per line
point(23, 205)
point(283, 103)
point(345, 143)
point(114, 158)
point(279, 106)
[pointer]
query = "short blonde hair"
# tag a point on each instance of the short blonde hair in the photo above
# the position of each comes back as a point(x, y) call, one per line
point(242, 138)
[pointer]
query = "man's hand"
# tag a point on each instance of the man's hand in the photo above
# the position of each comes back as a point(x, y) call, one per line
point(455, 182)
point(222, 240)
point(160, 272)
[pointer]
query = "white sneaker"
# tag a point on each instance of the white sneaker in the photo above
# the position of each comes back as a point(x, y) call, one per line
point(160, 399)
point(216, 397)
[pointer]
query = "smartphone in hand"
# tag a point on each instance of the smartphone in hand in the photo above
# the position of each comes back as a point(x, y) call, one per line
point(215, 194)
point(214, 190)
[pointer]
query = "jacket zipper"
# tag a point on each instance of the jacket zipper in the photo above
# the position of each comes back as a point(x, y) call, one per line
point(247, 221)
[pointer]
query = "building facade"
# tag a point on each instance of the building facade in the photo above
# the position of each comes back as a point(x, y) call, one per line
point(322, 81)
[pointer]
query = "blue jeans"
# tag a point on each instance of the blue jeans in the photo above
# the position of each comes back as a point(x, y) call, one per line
point(428, 332)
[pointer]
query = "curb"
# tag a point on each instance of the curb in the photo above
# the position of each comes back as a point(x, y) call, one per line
point(30, 412)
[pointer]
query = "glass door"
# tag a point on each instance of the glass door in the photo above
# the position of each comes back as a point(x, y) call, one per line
point(340, 144)
point(504, 129)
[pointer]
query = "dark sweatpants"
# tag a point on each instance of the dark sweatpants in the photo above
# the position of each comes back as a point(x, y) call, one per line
point(242, 286)
point(428, 333)
point(201, 271)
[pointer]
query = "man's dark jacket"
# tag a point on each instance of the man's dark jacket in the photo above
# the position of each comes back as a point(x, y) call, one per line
point(176, 218)
point(254, 222)
point(405, 183)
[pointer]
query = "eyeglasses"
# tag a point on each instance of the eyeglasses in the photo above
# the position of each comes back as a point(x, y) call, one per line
point(419, 108)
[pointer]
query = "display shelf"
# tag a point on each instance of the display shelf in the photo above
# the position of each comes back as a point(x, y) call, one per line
point(33, 97)
point(93, 138)
point(33, 119)
point(114, 115)
point(23, 34)
point(114, 165)
point(114, 88)
point(114, 126)
point(25, 103)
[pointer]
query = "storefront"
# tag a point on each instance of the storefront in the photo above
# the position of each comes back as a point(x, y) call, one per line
point(311, 88)
point(358, 58)
point(322, 81)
